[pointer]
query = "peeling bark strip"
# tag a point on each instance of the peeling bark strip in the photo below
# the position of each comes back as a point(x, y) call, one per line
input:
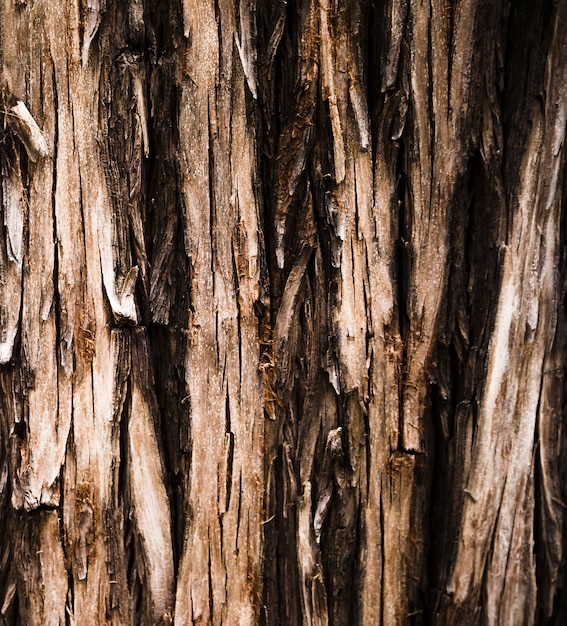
point(29, 133)
point(282, 323)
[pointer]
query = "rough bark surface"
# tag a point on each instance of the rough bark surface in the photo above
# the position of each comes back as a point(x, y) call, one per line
point(282, 312)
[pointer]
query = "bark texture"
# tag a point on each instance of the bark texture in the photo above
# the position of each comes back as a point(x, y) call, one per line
point(282, 312)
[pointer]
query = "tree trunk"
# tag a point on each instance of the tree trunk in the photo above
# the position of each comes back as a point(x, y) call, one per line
point(283, 332)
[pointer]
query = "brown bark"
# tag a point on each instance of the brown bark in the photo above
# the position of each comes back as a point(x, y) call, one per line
point(282, 312)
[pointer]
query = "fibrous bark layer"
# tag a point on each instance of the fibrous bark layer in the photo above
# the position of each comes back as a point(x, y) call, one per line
point(282, 323)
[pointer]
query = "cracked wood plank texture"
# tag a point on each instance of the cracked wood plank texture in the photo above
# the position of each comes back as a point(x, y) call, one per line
point(282, 312)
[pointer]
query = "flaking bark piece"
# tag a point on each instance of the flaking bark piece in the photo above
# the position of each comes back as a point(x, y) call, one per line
point(25, 127)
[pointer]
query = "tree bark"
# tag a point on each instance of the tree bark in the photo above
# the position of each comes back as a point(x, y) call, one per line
point(283, 330)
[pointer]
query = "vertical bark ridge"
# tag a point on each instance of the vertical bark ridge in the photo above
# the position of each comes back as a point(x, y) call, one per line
point(509, 411)
point(76, 223)
point(225, 479)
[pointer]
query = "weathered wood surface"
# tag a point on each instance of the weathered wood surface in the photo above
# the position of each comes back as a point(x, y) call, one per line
point(282, 324)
